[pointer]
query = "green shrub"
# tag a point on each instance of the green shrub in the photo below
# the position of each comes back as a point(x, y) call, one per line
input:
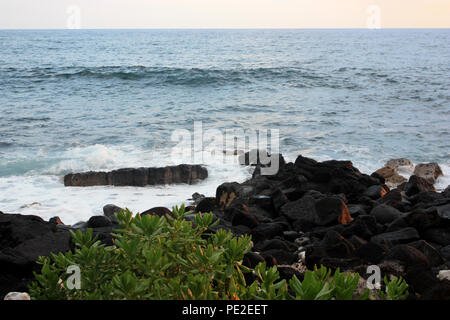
point(172, 258)
point(396, 289)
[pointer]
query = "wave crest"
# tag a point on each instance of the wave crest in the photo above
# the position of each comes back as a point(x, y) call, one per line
point(196, 77)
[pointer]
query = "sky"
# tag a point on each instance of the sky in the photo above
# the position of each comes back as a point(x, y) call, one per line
point(89, 14)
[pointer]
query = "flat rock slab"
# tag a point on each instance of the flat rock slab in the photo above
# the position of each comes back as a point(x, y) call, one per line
point(138, 177)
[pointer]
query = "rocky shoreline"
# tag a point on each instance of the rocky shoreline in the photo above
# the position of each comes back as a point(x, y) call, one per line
point(309, 213)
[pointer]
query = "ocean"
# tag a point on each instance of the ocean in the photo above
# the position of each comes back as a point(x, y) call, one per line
point(79, 100)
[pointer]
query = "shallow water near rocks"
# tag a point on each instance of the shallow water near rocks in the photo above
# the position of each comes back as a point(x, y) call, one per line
point(106, 99)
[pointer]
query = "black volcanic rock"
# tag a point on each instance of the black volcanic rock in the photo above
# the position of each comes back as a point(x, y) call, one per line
point(446, 192)
point(336, 246)
point(385, 214)
point(205, 205)
point(287, 272)
point(252, 259)
point(444, 211)
point(332, 210)
point(402, 236)
point(334, 177)
point(417, 184)
point(266, 231)
point(426, 198)
point(99, 222)
point(279, 199)
point(226, 193)
point(158, 211)
point(432, 254)
point(129, 177)
point(397, 224)
point(437, 235)
point(139, 177)
point(375, 192)
point(259, 157)
point(241, 217)
point(262, 201)
point(303, 208)
point(22, 240)
point(437, 291)
point(85, 179)
point(275, 244)
point(445, 252)
point(110, 211)
point(356, 210)
point(281, 256)
point(321, 210)
point(56, 220)
point(408, 255)
point(420, 279)
point(423, 219)
point(364, 226)
point(371, 252)
point(397, 199)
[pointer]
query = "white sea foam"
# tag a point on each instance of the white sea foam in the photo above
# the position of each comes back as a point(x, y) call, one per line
point(443, 181)
point(101, 157)
point(44, 195)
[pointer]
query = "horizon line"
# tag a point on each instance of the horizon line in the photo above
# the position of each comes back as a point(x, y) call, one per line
point(222, 28)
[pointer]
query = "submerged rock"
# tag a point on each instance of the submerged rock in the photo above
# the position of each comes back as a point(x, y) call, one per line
point(400, 162)
point(428, 171)
point(85, 179)
point(391, 177)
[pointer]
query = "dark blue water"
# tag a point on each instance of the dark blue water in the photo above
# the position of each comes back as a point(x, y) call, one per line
point(78, 100)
